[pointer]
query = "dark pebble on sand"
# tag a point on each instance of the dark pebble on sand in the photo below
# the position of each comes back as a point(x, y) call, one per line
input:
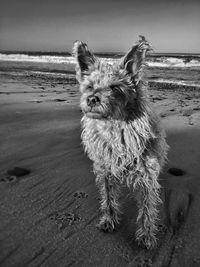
point(158, 98)
point(18, 172)
point(163, 114)
point(60, 100)
point(188, 97)
point(197, 108)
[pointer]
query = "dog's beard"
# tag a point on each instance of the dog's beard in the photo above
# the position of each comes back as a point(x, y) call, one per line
point(95, 113)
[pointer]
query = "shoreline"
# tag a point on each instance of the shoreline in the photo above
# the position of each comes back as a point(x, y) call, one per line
point(68, 77)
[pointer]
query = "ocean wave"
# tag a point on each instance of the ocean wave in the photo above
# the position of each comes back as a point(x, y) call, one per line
point(44, 59)
point(39, 59)
point(174, 62)
point(161, 62)
point(175, 82)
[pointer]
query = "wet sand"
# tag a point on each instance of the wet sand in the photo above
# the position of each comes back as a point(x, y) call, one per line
point(48, 217)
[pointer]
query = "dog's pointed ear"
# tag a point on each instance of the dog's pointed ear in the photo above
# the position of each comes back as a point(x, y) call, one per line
point(134, 60)
point(84, 59)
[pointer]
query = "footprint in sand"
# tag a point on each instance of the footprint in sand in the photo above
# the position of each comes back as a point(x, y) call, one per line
point(177, 207)
point(176, 171)
point(80, 194)
point(162, 229)
point(190, 121)
point(187, 112)
point(141, 261)
point(12, 175)
point(66, 219)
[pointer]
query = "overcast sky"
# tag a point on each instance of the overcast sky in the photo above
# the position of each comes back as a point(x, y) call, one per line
point(106, 25)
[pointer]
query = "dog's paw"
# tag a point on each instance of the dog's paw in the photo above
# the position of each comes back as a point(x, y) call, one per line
point(148, 242)
point(106, 224)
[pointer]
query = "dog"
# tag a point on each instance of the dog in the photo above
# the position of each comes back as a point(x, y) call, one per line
point(122, 135)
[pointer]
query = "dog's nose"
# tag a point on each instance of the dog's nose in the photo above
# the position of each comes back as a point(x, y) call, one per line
point(92, 100)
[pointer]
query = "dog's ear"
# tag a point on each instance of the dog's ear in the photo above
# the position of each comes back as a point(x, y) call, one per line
point(84, 59)
point(134, 60)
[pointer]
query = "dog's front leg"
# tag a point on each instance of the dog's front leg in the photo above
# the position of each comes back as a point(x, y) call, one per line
point(147, 191)
point(109, 197)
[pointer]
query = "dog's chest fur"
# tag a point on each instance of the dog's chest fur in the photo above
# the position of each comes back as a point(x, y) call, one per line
point(116, 145)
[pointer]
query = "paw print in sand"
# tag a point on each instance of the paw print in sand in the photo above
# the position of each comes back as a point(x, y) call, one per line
point(66, 219)
point(80, 194)
point(162, 229)
point(141, 261)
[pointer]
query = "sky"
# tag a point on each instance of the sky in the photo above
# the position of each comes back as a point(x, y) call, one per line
point(105, 25)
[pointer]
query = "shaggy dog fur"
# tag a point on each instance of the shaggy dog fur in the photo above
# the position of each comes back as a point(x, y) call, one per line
point(122, 135)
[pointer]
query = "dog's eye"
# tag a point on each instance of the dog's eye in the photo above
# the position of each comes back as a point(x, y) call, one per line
point(89, 87)
point(114, 88)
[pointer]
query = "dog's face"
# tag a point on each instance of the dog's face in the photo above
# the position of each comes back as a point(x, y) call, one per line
point(109, 91)
point(106, 92)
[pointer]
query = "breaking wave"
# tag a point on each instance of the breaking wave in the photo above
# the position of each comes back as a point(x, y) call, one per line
point(161, 62)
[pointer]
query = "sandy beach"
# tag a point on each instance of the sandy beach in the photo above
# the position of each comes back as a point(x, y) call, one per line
point(49, 216)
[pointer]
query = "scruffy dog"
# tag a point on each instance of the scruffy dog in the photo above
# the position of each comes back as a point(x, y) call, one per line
point(122, 135)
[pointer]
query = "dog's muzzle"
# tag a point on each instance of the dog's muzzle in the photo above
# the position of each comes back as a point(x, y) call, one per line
point(93, 100)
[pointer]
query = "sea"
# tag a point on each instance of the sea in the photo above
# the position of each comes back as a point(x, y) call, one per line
point(163, 69)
